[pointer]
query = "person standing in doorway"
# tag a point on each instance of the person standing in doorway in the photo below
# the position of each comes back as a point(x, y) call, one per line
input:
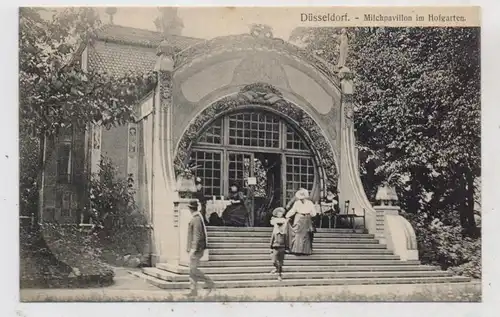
point(196, 245)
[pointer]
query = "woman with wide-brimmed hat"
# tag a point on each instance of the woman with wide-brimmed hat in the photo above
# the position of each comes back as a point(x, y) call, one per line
point(301, 228)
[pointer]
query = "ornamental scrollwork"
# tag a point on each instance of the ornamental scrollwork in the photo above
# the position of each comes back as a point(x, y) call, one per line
point(256, 94)
point(165, 89)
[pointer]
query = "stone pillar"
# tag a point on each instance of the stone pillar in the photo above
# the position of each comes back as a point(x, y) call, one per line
point(387, 199)
point(392, 229)
point(351, 189)
point(347, 89)
point(165, 237)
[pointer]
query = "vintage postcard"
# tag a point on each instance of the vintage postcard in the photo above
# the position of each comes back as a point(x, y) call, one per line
point(325, 154)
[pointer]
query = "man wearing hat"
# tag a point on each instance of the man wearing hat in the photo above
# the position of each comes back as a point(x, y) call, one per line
point(201, 198)
point(196, 245)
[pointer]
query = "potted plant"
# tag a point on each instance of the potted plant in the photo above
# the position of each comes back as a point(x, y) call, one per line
point(185, 182)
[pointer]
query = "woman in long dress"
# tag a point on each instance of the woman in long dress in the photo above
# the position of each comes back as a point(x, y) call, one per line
point(301, 228)
point(236, 214)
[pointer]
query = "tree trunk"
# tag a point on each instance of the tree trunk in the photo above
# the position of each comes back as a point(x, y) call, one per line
point(460, 196)
point(469, 210)
point(414, 199)
point(40, 182)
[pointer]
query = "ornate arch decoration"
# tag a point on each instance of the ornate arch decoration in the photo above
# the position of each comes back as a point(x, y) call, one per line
point(252, 42)
point(269, 98)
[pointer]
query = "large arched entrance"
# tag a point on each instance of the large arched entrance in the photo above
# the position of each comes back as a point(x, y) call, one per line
point(260, 152)
point(267, 145)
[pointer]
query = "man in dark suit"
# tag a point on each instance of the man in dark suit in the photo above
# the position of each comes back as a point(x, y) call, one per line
point(201, 198)
point(196, 245)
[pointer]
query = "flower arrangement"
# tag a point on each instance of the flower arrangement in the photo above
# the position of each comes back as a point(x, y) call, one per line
point(185, 182)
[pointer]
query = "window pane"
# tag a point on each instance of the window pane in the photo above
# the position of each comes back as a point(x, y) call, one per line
point(294, 141)
point(209, 170)
point(213, 134)
point(299, 174)
point(254, 129)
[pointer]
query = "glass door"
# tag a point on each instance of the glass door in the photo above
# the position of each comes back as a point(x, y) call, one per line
point(299, 172)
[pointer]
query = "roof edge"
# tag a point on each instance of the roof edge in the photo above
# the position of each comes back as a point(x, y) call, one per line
point(99, 36)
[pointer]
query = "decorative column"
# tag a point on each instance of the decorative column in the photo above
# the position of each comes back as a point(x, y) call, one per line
point(391, 228)
point(132, 159)
point(351, 188)
point(165, 237)
point(347, 90)
point(170, 212)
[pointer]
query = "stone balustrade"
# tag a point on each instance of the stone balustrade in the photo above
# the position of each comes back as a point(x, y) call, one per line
point(391, 228)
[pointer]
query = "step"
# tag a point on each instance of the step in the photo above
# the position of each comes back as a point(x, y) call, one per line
point(316, 246)
point(172, 277)
point(267, 239)
point(267, 234)
point(298, 268)
point(266, 251)
point(313, 257)
point(305, 282)
point(269, 229)
point(290, 262)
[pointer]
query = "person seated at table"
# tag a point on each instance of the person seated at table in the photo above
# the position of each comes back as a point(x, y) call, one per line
point(236, 214)
point(329, 208)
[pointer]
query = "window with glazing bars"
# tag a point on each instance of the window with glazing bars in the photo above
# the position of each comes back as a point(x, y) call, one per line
point(239, 169)
point(294, 141)
point(299, 174)
point(209, 170)
point(254, 129)
point(213, 134)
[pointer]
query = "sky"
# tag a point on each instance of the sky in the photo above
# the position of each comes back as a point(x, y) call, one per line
point(209, 22)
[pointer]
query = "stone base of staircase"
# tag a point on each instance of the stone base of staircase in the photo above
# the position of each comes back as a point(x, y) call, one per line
point(240, 258)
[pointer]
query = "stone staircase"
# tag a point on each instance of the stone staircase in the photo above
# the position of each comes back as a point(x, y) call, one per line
point(240, 257)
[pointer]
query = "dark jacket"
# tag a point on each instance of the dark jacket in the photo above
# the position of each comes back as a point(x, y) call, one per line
point(278, 240)
point(197, 240)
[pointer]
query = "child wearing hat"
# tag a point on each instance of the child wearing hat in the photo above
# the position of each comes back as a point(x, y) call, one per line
point(278, 240)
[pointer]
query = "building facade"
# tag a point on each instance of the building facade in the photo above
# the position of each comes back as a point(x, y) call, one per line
point(240, 108)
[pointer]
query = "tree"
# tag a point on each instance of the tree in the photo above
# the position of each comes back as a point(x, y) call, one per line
point(418, 110)
point(55, 92)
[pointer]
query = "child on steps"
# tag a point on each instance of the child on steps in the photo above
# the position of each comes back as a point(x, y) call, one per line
point(278, 240)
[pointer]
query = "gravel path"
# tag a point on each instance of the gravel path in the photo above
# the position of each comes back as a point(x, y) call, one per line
point(130, 288)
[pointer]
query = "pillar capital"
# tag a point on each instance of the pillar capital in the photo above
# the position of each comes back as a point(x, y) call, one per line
point(165, 52)
point(386, 196)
